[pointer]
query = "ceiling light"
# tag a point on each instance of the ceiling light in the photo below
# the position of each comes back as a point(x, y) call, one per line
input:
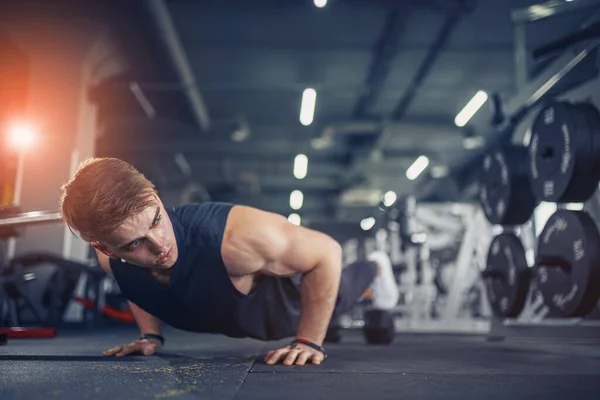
point(463, 117)
point(367, 223)
point(295, 219)
point(389, 198)
point(300, 166)
point(296, 200)
point(417, 168)
point(307, 108)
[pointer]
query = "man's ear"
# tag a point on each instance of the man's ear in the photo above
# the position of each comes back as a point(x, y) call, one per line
point(102, 248)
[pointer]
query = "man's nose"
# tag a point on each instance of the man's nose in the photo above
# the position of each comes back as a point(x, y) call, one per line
point(158, 245)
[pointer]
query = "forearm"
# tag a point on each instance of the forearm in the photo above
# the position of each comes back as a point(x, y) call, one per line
point(146, 322)
point(318, 291)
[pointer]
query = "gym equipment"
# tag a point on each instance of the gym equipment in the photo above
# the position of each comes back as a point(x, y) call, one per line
point(568, 263)
point(505, 193)
point(41, 286)
point(507, 275)
point(379, 327)
point(454, 237)
point(564, 151)
point(29, 218)
point(9, 230)
point(122, 314)
point(28, 333)
point(571, 74)
point(11, 223)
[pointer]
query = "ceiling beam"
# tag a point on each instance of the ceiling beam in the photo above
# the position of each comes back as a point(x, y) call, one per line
point(208, 147)
point(252, 181)
point(453, 17)
point(386, 50)
point(168, 33)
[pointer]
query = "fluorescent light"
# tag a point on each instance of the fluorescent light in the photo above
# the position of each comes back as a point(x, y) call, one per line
point(389, 198)
point(473, 142)
point(320, 3)
point(417, 168)
point(295, 219)
point(367, 223)
point(470, 109)
point(574, 206)
point(296, 200)
point(300, 166)
point(439, 171)
point(307, 109)
point(142, 100)
point(239, 135)
point(183, 165)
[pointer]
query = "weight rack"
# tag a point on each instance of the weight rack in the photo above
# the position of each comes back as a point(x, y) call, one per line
point(576, 64)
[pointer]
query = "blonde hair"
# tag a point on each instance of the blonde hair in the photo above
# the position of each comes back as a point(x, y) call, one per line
point(102, 194)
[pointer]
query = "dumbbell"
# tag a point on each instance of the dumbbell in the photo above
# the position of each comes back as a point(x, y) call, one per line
point(379, 328)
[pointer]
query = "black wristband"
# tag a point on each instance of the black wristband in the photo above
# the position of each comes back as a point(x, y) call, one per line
point(309, 344)
point(153, 336)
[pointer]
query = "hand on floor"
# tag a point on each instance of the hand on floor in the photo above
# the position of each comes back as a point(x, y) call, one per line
point(146, 347)
point(299, 355)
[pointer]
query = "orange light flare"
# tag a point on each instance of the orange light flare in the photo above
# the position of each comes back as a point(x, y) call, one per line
point(21, 136)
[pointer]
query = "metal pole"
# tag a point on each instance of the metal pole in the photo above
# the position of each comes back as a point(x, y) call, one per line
point(538, 12)
point(12, 242)
point(31, 218)
point(521, 56)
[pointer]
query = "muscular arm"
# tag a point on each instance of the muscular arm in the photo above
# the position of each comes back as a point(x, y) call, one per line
point(259, 242)
point(146, 322)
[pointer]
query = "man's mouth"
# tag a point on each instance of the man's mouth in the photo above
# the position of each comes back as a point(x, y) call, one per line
point(165, 257)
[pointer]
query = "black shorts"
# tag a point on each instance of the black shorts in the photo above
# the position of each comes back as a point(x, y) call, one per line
point(355, 280)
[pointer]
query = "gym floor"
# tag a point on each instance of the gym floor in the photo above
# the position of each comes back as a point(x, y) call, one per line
point(194, 366)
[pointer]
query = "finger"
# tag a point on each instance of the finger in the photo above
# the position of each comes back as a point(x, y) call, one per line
point(274, 358)
point(317, 358)
point(291, 357)
point(128, 349)
point(302, 358)
point(112, 351)
point(269, 354)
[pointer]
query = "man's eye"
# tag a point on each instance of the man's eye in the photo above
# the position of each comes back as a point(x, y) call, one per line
point(133, 245)
point(158, 219)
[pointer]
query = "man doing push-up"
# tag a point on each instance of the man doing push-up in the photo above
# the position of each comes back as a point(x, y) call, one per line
point(216, 267)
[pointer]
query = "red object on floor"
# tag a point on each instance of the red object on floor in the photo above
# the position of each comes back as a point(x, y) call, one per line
point(121, 315)
point(28, 333)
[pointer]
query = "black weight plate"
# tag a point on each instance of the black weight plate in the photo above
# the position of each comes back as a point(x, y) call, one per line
point(379, 327)
point(592, 119)
point(507, 276)
point(505, 194)
point(568, 263)
point(561, 154)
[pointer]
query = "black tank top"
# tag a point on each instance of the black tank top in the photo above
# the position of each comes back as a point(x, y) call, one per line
point(200, 296)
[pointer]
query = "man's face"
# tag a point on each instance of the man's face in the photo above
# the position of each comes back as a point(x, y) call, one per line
point(146, 239)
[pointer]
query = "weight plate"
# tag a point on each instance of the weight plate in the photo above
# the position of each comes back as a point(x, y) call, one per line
point(568, 263)
point(507, 275)
point(505, 193)
point(562, 152)
point(379, 327)
point(591, 116)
